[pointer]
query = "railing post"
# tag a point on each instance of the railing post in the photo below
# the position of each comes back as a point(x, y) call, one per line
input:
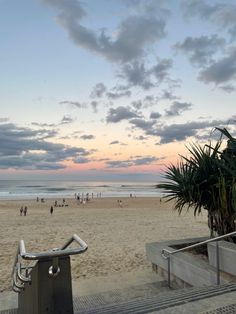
point(217, 264)
point(49, 292)
point(47, 287)
point(168, 259)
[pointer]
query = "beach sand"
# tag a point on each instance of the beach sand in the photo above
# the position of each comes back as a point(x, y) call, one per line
point(115, 236)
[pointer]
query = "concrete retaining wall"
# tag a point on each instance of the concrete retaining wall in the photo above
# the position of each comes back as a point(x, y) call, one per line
point(186, 269)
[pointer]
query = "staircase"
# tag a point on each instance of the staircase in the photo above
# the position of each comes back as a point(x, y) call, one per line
point(156, 298)
point(155, 303)
point(42, 290)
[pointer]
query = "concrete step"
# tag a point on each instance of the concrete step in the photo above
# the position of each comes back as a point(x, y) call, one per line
point(159, 302)
point(229, 309)
point(156, 298)
point(119, 296)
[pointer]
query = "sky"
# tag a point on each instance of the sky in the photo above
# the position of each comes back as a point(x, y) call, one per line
point(112, 89)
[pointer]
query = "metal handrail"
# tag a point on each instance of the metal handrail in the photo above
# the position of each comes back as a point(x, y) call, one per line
point(53, 254)
point(20, 275)
point(166, 253)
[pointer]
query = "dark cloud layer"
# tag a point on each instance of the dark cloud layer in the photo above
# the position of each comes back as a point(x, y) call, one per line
point(180, 132)
point(24, 148)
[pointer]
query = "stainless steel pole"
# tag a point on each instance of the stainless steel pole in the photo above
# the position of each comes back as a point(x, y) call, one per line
point(169, 271)
point(217, 264)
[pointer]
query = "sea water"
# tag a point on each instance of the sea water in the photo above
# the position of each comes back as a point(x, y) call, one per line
point(28, 189)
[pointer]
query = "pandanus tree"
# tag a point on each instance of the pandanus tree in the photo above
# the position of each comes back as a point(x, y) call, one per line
point(206, 180)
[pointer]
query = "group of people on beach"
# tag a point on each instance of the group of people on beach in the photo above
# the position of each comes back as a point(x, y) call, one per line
point(42, 200)
point(84, 198)
point(23, 210)
point(56, 204)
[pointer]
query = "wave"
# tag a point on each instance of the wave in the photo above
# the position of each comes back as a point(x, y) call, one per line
point(137, 186)
point(33, 186)
point(56, 189)
point(52, 189)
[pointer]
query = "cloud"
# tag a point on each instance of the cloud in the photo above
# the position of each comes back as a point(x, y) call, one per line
point(222, 14)
point(87, 137)
point(67, 120)
point(116, 92)
point(119, 114)
point(72, 103)
point(180, 132)
point(44, 134)
point(149, 98)
point(177, 108)
point(117, 95)
point(28, 163)
point(98, 90)
point(141, 138)
point(3, 120)
point(81, 160)
point(44, 124)
point(228, 88)
point(166, 94)
point(133, 35)
point(200, 49)
point(147, 101)
point(155, 115)
point(175, 132)
point(144, 161)
point(24, 148)
point(136, 73)
point(94, 105)
point(137, 104)
point(221, 71)
point(114, 142)
point(68, 8)
point(140, 161)
point(118, 164)
point(142, 124)
point(153, 7)
point(161, 70)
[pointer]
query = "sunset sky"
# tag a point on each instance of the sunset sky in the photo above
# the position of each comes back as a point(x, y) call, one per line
point(112, 89)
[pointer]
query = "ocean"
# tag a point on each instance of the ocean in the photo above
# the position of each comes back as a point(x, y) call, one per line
point(28, 189)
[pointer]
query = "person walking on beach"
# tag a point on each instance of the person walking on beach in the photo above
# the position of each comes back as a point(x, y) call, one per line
point(21, 210)
point(120, 203)
point(51, 210)
point(25, 210)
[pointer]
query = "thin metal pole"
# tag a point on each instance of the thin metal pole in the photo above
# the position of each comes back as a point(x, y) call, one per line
point(169, 271)
point(217, 264)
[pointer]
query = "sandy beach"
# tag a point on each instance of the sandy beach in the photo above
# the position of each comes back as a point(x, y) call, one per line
point(115, 235)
